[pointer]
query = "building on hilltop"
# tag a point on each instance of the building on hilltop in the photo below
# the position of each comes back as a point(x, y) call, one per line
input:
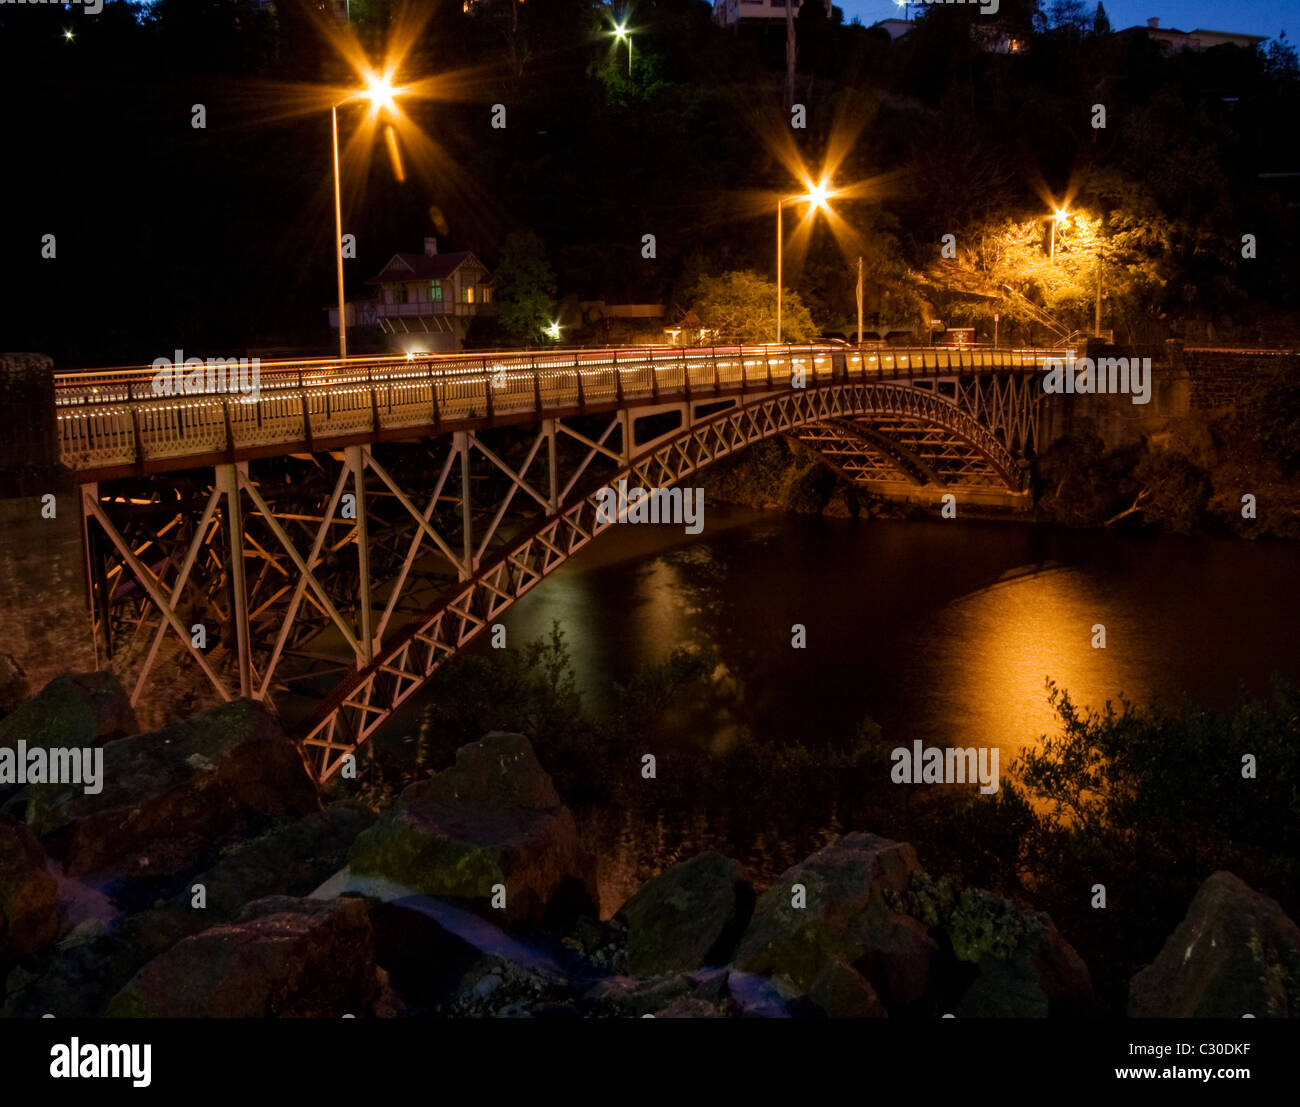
point(727, 13)
point(1174, 41)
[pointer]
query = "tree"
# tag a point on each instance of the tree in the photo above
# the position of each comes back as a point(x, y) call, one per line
point(1100, 21)
point(524, 287)
point(741, 307)
point(1069, 15)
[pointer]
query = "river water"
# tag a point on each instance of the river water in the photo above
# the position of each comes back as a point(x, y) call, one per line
point(944, 631)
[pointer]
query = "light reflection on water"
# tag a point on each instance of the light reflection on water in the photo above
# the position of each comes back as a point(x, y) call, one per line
point(940, 631)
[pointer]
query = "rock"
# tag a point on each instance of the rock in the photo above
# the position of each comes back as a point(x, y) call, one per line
point(495, 987)
point(842, 992)
point(756, 997)
point(429, 948)
point(689, 1007)
point(81, 709)
point(1235, 953)
point(77, 977)
point(492, 818)
point(840, 881)
point(283, 957)
point(624, 996)
point(29, 914)
point(1005, 961)
point(1024, 967)
point(171, 796)
point(687, 917)
point(897, 955)
point(291, 859)
point(13, 684)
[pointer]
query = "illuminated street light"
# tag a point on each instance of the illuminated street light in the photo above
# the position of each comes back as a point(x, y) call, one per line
point(816, 197)
point(622, 34)
point(1061, 215)
point(68, 36)
point(553, 331)
point(382, 95)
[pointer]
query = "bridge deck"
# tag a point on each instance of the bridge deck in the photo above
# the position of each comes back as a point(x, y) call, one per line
point(113, 423)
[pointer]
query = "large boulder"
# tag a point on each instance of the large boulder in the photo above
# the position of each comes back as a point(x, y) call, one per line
point(1236, 953)
point(29, 914)
point(688, 916)
point(81, 709)
point(78, 975)
point(1024, 967)
point(293, 858)
point(493, 818)
point(796, 930)
point(170, 797)
point(841, 992)
point(283, 957)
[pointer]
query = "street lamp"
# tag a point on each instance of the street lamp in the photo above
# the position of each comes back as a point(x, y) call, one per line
point(1060, 217)
point(380, 92)
point(817, 196)
point(622, 34)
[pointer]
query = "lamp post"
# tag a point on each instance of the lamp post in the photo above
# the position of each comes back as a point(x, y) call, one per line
point(1060, 216)
point(816, 195)
point(622, 34)
point(380, 92)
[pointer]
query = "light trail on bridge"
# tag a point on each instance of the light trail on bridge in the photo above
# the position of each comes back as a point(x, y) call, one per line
point(112, 422)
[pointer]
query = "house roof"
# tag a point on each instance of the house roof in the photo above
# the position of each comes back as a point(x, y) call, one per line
point(421, 267)
point(1197, 31)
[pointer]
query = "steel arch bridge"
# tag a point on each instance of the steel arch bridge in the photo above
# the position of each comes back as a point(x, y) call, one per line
point(326, 543)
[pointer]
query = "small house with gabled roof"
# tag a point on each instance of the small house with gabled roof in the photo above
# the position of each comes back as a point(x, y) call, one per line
point(425, 302)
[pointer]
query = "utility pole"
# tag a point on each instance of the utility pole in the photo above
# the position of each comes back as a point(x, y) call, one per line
point(859, 342)
point(1096, 328)
point(789, 54)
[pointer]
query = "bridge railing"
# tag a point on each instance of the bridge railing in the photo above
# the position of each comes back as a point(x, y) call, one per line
point(113, 418)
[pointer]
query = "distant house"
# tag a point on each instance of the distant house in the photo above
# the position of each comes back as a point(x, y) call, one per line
point(690, 331)
point(895, 28)
point(1174, 41)
point(727, 13)
point(425, 302)
point(990, 37)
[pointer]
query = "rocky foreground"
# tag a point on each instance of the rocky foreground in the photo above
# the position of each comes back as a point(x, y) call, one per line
point(207, 880)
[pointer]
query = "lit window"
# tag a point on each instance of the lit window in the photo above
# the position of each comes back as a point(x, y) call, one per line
point(467, 294)
point(435, 291)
